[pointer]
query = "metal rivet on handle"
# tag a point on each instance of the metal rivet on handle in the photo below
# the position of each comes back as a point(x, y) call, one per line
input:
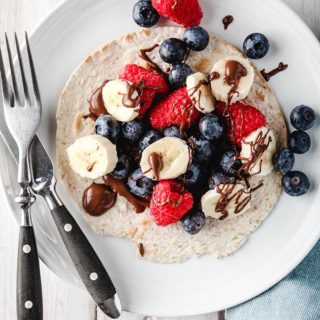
point(26, 249)
point(67, 227)
point(93, 276)
point(28, 304)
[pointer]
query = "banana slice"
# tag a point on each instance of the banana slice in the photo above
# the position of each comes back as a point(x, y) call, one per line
point(257, 151)
point(233, 205)
point(241, 70)
point(92, 156)
point(172, 157)
point(199, 91)
point(121, 101)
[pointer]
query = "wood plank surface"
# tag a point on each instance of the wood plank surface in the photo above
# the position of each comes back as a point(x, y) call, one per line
point(62, 301)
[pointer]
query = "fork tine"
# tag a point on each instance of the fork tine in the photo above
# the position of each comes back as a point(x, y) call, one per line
point(24, 82)
point(13, 73)
point(5, 88)
point(33, 72)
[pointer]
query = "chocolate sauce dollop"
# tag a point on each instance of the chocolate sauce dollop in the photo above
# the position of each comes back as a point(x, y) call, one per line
point(98, 199)
point(227, 20)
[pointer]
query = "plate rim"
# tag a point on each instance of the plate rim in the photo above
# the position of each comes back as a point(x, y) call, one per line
point(306, 248)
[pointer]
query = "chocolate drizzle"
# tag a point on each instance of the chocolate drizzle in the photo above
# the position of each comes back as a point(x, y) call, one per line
point(267, 75)
point(96, 104)
point(143, 55)
point(213, 76)
point(227, 194)
point(257, 147)
point(227, 20)
point(156, 164)
point(98, 199)
point(120, 188)
point(132, 98)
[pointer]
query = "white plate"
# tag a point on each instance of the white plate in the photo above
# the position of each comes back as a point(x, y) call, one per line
point(75, 29)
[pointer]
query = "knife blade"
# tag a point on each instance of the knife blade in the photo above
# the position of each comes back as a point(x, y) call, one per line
point(90, 269)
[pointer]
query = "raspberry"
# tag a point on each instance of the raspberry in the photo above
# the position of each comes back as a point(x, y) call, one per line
point(153, 83)
point(185, 12)
point(244, 119)
point(176, 109)
point(169, 202)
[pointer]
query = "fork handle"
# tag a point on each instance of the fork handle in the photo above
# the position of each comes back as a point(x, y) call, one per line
point(29, 293)
point(91, 270)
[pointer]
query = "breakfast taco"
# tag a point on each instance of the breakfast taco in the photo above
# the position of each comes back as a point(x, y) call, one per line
point(182, 166)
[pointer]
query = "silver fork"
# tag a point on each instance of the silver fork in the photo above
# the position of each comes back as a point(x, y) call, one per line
point(23, 115)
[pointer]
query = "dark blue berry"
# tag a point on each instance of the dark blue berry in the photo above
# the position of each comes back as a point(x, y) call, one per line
point(122, 168)
point(284, 160)
point(144, 14)
point(302, 118)
point(132, 130)
point(211, 127)
point(229, 163)
point(107, 127)
point(295, 183)
point(172, 131)
point(218, 178)
point(193, 222)
point(203, 150)
point(196, 38)
point(256, 46)
point(193, 174)
point(299, 142)
point(178, 75)
point(173, 50)
point(140, 185)
point(149, 138)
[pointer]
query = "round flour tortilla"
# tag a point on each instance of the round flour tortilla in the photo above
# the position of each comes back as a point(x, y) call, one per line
point(162, 244)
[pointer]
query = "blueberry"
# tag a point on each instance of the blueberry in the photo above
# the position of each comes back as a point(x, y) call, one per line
point(178, 75)
point(211, 127)
point(302, 118)
point(172, 131)
point(173, 50)
point(132, 130)
point(196, 38)
point(107, 127)
point(299, 142)
point(284, 160)
point(149, 138)
point(122, 168)
point(193, 174)
point(144, 14)
point(256, 46)
point(193, 222)
point(229, 163)
point(140, 185)
point(218, 177)
point(295, 183)
point(203, 150)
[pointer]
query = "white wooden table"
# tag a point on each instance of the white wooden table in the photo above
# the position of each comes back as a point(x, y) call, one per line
point(62, 301)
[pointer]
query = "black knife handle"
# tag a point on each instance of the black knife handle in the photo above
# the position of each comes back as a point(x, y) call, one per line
point(29, 293)
point(91, 270)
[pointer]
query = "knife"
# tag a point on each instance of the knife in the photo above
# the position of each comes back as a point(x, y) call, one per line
point(90, 269)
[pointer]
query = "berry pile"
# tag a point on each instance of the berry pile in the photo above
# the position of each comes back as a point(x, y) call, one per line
point(214, 138)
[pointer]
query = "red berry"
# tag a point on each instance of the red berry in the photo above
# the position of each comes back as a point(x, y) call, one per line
point(153, 83)
point(244, 119)
point(169, 203)
point(176, 109)
point(185, 12)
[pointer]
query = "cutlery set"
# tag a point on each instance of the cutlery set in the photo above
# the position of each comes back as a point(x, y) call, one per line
point(20, 117)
